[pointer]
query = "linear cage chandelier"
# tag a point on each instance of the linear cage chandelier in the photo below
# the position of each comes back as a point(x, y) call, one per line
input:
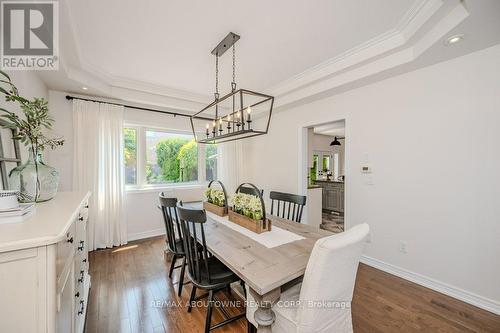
point(231, 117)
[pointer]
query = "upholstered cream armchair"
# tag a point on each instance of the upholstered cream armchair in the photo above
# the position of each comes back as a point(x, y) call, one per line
point(321, 303)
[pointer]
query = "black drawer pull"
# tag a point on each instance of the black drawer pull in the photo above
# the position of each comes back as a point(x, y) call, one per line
point(77, 294)
point(81, 218)
point(87, 206)
point(81, 307)
point(81, 247)
point(70, 240)
point(84, 260)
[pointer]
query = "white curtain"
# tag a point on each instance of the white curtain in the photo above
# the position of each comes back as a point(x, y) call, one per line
point(98, 168)
point(230, 165)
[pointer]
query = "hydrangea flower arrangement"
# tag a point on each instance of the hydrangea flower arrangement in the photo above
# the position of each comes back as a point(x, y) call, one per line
point(248, 205)
point(215, 196)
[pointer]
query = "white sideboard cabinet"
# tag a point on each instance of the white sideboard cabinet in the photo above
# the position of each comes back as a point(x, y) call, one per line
point(44, 280)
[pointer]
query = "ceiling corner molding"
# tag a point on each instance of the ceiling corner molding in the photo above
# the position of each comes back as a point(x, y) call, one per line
point(147, 87)
point(457, 15)
point(159, 100)
point(380, 64)
point(88, 79)
point(418, 30)
point(397, 37)
point(417, 16)
point(82, 71)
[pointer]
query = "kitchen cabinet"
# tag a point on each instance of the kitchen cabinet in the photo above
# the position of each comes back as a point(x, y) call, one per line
point(333, 195)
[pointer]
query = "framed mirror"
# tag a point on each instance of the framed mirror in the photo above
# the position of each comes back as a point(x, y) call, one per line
point(10, 155)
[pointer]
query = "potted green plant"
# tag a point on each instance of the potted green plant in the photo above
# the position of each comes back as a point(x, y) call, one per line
point(35, 181)
point(216, 199)
point(248, 211)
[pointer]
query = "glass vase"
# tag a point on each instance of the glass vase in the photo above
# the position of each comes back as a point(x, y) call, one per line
point(35, 180)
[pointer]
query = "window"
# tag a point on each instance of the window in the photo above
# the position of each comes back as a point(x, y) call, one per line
point(130, 155)
point(170, 158)
point(326, 163)
point(211, 162)
point(162, 157)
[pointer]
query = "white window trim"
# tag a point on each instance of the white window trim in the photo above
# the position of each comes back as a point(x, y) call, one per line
point(142, 185)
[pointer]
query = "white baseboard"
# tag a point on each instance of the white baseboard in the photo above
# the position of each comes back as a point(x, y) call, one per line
point(146, 234)
point(460, 294)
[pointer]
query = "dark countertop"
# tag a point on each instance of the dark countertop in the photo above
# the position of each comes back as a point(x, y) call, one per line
point(329, 181)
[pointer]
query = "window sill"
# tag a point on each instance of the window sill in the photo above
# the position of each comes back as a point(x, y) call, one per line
point(159, 188)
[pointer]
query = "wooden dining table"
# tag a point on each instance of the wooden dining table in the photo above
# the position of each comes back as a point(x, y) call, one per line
point(264, 270)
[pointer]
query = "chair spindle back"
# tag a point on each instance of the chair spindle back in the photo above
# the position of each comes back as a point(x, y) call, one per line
point(288, 206)
point(192, 221)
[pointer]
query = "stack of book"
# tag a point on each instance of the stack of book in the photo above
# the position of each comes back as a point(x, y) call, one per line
point(17, 214)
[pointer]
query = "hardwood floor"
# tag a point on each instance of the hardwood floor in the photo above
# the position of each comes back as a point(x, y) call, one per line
point(131, 292)
point(332, 221)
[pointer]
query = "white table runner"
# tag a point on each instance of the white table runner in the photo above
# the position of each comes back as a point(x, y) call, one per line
point(269, 239)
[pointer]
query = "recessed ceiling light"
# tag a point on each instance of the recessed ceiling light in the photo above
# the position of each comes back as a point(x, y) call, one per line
point(453, 39)
point(85, 88)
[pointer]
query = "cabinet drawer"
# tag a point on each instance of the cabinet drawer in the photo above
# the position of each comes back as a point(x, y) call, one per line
point(81, 235)
point(79, 312)
point(65, 304)
point(81, 271)
point(65, 249)
point(85, 210)
point(79, 277)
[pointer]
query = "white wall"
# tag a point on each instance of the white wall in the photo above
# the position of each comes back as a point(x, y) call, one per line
point(432, 138)
point(62, 158)
point(143, 217)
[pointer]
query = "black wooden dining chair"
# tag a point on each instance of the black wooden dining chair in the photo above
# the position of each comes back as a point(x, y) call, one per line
point(288, 206)
point(174, 236)
point(250, 190)
point(205, 272)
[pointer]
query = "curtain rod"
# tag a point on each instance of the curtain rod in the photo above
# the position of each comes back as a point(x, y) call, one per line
point(175, 114)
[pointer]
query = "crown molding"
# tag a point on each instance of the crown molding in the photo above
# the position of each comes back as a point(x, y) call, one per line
point(107, 83)
point(377, 65)
point(158, 89)
point(411, 22)
point(401, 45)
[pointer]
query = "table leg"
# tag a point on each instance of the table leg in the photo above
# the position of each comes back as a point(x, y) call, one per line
point(264, 315)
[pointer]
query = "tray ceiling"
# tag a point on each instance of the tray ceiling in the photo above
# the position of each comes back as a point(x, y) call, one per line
point(158, 52)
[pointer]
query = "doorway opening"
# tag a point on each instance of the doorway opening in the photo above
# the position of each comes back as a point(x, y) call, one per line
point(326, 168)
